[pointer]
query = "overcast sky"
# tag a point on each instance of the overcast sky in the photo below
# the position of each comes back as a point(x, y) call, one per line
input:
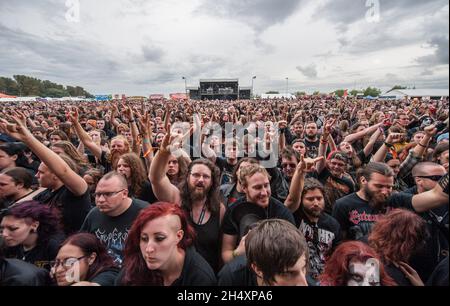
point(139, 47)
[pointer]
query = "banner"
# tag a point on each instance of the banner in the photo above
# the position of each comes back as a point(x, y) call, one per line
point(178, 96)
point(102, 97)
point(156, 97)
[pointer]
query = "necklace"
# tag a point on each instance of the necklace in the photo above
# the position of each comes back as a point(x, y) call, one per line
point(202, 215)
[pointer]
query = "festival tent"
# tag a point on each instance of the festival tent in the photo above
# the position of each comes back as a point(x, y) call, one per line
point(416, 93)
point(3, 96)
point(369, 98)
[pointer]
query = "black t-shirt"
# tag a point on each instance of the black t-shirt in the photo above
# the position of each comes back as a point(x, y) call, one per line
point(113, 231)
point(147, 194)
point(439, 277)
point(275, 210)
point(312, 148)
point(40, 255)
point(237, 273)
point(71, 208)
point(321, 238)
point(106, 277)
point(207, 240)
point(226, 170)
point(335, 188)
point(357, 217)
point(436, 246)
point(397, 275)
point(196, 271)
point(14, 272)
point(105, 163)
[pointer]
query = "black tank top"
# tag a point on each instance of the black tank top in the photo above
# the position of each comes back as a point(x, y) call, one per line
point(207, 241)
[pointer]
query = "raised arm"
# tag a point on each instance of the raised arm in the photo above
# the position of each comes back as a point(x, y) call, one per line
point(162, 187)
point(84, 137)
point(55, 164)
point(355, 136)
point(294, 197)
point(392, 138)
point(147, 134)
point(324, 144)
point(372, 140)
point(433, 198)
point(134, 130)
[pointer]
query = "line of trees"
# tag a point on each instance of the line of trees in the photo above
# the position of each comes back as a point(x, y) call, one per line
point(22, 85)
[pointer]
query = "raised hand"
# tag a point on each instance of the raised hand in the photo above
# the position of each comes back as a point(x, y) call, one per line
point(329, 126)
point(394, 138)
point(308, 164)
point(73, 115)
point(16, 130)
point(430, 130)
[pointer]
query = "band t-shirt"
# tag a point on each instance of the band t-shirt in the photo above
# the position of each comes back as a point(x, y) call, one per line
point(321, 239)
point(113, 231)
point(357, 217)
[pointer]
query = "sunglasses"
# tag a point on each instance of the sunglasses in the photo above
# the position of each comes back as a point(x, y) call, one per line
point(435, 178)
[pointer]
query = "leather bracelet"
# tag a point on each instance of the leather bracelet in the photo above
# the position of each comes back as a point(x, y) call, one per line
point(421, 145)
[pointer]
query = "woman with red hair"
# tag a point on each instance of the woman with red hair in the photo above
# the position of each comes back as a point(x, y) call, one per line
point(354, 263)
point(158, 251)
point(395, 237)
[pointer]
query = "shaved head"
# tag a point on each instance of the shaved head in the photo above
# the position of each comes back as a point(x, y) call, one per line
point(427, 168)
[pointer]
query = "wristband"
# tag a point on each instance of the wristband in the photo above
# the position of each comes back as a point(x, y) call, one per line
point(146, 140)
point(421, 145)
point(389, 145)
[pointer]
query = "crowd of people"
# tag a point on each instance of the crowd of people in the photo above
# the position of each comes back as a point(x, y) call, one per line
point(313, 191)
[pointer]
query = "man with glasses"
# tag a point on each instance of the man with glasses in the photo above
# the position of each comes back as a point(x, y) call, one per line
point(198, 195)
point(426, 176)
point(111, 220)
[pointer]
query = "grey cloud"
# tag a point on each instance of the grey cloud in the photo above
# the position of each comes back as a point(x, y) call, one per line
point(344, 12)
point(264, 46)
point(64, 60)
point(152, 53)
point(440, 56)
point(384, 34)
point(427, 72)
point(259, 14)
point(309, 71)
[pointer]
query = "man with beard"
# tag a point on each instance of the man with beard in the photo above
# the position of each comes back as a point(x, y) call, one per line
point(255, 182)
point(119, 145)
point(322, 232)
point(357, 212)
point(198, 195)
point(311, 140)
point(295, 132)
